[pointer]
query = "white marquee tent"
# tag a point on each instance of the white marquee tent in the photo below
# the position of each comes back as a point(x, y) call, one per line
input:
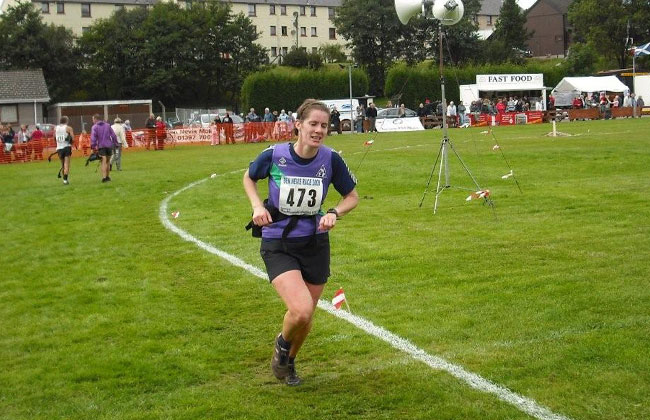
point(569, 87)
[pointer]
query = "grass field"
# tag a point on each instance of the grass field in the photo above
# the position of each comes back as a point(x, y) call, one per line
point(106, 314)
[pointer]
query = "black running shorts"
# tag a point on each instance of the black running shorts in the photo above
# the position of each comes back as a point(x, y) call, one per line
point(105, 151)
point(66, 151)
point(311, 257)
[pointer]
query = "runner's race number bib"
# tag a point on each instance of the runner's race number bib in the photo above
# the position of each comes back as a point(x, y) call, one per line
point(300, 195)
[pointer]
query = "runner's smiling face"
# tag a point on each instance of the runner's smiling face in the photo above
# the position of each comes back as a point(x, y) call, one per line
point(313, 129)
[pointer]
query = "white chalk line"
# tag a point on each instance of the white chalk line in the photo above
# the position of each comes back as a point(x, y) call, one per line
point(475, 381)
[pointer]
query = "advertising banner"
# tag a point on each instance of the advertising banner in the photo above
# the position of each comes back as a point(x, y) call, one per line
point(385, 125)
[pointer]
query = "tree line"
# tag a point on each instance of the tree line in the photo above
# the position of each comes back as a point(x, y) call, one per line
point(180, 56)
point(200, 56)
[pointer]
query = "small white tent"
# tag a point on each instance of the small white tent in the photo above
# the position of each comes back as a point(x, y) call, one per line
point(569, 87)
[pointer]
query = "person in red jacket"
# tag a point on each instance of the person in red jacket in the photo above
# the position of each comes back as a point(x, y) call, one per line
point(161, 133)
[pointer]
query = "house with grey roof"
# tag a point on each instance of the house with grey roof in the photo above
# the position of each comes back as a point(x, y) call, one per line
point(23, 93)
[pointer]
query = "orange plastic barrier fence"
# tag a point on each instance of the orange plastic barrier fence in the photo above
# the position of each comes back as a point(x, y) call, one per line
point(156, 139)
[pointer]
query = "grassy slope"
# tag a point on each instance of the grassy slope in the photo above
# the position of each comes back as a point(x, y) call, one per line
point(106, 314)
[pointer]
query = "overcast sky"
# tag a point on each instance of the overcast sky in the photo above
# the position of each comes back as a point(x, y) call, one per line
point(525, 4)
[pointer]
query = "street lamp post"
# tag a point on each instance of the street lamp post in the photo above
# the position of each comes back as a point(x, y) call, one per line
point(351, 110)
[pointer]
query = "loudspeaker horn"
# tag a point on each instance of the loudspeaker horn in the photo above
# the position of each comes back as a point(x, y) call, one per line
point(406, 9)
point(448, 12)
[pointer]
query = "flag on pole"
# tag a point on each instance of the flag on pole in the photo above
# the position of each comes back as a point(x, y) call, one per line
point(508, 175)
point(339, 298)
point(495, 147)
point(176, 214)
point(642, 50)
point(368, 143)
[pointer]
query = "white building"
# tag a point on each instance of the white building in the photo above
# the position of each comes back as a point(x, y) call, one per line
point(281, 24)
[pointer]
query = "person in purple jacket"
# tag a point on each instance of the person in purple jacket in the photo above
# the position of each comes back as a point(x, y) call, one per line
point(102, 141)
point(294, 229)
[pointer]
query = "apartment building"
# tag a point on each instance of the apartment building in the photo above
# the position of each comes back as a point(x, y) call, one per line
point(282, 24)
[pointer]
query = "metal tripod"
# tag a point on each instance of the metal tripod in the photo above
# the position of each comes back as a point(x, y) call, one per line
point(445, 144)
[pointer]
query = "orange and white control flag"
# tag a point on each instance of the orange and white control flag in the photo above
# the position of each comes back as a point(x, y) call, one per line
point(339, 298)
point(478, 194)
point(368, 143)
point(176, 214)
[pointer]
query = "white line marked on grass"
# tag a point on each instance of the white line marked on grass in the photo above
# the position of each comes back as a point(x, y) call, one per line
point(524, 404)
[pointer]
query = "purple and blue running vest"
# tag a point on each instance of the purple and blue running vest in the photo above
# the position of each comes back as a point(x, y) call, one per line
point(298, 190)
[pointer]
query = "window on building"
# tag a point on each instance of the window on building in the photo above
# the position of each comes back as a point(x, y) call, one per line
point(313, 31)
point(123, 7)
point(274, 51)
point(85, 9)
point(284, 31)
point(271, 9)
point(312, 10)
point(303, 31)
point(251, 10)
point(285, 50)
point(272, 32)
point(85, 29)
point(9, 113)
point(283, 10)
point(332, 33)
point(60, 8)
point(314, 50)
point(45, 8)
point(302, 11)
point(489, 20)
point(330, 12)
point(304, 49)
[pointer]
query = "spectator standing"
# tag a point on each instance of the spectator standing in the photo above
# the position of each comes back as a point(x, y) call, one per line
point(128, 132)
point(422, 113)
point(267, 119)
point(371, 114)
point(24, 148)
point(8, 139)
point(64, 136)
point(37, 142)
point(501, 106)
point(116, 159)
point(360, 118)
point(335, 120)
point(228, 128)
point(161, 134)
point(103, 140)
point(150, 130)
point(461, 113)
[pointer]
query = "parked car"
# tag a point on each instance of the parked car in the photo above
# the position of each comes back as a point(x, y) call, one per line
point(203, 120)
point(393, 112)
point(174, 123)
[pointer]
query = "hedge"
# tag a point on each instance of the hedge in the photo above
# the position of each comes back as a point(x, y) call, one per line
point(415, 84)
point(285, 88)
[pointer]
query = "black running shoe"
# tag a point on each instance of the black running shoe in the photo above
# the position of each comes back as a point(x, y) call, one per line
point(292, 378)
point(280, 360)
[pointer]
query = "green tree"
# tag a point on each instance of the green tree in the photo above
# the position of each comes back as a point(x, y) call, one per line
point(582, 59)
point(26, 42)
point(420, 38)
point(196, 56)
point(332, 53)
point(372, 32)
point(604, 23)
point(510, 36)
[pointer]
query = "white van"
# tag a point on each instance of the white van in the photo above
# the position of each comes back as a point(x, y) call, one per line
point(343, 106)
